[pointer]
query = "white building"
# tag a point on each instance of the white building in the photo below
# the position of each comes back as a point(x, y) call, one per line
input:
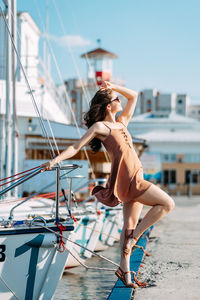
point(194, 112)
point(146, 101)
point(53, 103)
point(173, 147)
point(151, 100)
point(165, 102)
point(182, 104)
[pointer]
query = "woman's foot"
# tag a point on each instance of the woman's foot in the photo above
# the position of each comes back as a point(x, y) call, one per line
point(125, 277)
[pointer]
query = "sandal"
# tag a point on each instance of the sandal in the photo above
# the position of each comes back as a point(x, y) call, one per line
point(121, 275)
point(128, 242)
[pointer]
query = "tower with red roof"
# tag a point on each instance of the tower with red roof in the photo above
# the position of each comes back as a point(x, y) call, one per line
point(99, 63)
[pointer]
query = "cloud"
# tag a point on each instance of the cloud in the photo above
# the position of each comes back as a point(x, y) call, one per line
point(70, 40)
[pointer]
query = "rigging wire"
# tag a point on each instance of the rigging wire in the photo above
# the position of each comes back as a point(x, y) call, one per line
point(52, 154)
point(41, 118)
point(86, 56)
point(3, 76)
point(85, 89)
point(65, 91)
point(77, 70)
point(19, 173)
point(86, 92)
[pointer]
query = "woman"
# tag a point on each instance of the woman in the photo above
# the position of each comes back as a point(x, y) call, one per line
point(126, 184)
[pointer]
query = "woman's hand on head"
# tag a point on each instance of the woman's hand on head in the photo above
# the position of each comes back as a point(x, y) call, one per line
point(106, 85)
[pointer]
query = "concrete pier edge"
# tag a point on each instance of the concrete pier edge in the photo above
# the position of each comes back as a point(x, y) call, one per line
point(120, 291)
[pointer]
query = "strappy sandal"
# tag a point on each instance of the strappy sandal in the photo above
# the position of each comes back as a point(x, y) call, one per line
point(121, 275)
point(128, 242)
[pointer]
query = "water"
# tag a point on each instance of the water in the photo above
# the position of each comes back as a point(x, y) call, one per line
point(77, 283)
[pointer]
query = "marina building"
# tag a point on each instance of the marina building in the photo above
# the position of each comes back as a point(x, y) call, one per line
point(152, 100)
point(194, 112)
point(172, 157)
point(23, 143)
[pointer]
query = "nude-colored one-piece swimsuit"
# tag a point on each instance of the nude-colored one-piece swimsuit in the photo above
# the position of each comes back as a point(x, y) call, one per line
point(126, 181)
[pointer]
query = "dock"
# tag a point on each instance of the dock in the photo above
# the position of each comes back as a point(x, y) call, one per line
point(120, 291)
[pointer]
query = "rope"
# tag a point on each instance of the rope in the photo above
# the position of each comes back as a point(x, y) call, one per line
point(19, 173)
point(87, 267)
point(17, 177)
point(14, 179)
point(141, 284)
point(73, 217)
point(62, 243)
point(69, 240)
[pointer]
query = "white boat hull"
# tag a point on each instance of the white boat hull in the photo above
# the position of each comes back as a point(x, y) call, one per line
point(30, 264)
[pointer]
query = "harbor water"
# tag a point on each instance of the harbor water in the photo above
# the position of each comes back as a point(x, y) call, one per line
point(77, 283)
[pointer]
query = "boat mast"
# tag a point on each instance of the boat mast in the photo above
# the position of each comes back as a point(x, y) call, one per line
point(11, 157)
point(15, 134)
point(8, 119)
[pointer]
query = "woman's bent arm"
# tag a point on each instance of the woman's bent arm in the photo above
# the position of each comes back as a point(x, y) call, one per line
point(131, 96)
point(128, 93)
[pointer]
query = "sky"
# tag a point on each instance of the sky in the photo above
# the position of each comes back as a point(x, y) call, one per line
point(157, 42)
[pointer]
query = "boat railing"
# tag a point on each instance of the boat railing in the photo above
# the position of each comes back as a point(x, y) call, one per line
point(20, 181)
point(34, 173)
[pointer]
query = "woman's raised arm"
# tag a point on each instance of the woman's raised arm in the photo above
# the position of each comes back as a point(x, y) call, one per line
point(131, 96)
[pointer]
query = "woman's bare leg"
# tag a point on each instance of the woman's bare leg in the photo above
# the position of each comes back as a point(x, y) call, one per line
point(131, 214)
point(161, 204)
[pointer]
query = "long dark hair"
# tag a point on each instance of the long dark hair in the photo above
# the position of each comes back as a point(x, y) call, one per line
point(97, 112)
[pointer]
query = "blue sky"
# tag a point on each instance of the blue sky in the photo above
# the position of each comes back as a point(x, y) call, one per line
point(157, 42)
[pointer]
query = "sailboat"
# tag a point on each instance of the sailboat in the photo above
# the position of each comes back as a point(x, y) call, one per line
point(32, 251)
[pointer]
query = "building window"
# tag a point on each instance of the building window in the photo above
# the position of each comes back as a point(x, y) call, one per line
point(192, 158)
point(166, 157)
point(192, 176)
point(169, 176)
point(187, 176)
point(149, 103)
point(180, 101)
point(169, 157)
